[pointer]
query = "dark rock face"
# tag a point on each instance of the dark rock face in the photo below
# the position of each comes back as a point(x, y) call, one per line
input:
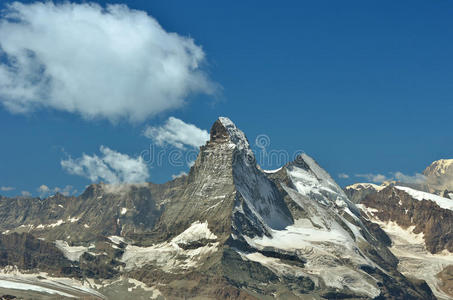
point(446, 279)
point(227, 230)
point(27, 252)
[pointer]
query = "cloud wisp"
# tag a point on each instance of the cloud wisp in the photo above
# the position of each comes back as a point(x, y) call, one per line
point(177, 133)
point(376, 178)
point(45, 191)
point(343, 176)
point(6, 188)
point(107, 62)
point(111, 167)
point(394, 176)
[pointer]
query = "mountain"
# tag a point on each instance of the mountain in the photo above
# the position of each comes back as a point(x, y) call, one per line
point(439, 177)
point(419, 225)
point(227, 230)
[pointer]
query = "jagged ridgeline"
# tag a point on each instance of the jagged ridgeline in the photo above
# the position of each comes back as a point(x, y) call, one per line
point(227, 230)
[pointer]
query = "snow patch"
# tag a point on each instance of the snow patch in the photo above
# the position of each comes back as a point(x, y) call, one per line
point(272, 171)
point(116, 239)
point(197, 231)
point(366, 186)
point(71, 252)
point(168, 255)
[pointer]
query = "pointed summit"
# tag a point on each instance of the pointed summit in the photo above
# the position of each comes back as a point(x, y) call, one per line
point(224, 128)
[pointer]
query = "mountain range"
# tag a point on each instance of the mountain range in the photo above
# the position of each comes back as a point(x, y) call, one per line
point(231, 230)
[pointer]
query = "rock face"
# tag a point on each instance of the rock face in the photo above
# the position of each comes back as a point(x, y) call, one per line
point(420, 227)
point(227, 230)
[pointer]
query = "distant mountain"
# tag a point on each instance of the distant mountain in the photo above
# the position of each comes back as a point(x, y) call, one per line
point(227, 230)
point(439, 177)
point(420, 226)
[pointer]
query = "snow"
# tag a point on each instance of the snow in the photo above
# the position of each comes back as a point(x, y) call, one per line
point(71, 252)
point(168, 255)
point(444, 203)
point(42, 279)
point(10, 284)
point(414, 259)
point(155, 293)
point(332, 275)
point(440, 167)
point(275, 264)
point(321, 237)
point(370, 211)
point(116, 239)
point(53, 225)
point(259, 193)
point(365, 186)
point(237, 137)
point(58, 223)
point(316, 183)
point(197, 231)
point(272, 171)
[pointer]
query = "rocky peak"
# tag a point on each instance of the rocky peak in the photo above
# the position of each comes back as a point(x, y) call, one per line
point(218, 132)
point(439, 167)
point(236, 135)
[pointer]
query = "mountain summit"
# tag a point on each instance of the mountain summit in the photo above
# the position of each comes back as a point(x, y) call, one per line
point(227, 230)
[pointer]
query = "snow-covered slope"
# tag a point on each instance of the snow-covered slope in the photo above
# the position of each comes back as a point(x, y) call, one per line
point(419, 225)
point(324, 236)
point(419, 195)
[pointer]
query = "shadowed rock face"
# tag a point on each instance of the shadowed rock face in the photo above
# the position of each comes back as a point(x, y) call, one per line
point(227, 230)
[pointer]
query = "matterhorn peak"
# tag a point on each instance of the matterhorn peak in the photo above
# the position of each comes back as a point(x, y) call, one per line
point(226, 129)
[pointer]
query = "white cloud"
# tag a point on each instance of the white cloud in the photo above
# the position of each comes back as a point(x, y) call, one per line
point(25, 193)
point(417, 178)
point(6, 188)
point(109, 62)
point(376, 178)
point(343, 176)
point(177, 133)
point(181, 174)
point(43, 190)
point(66, 191)
point(395, 176)
point(111, 167)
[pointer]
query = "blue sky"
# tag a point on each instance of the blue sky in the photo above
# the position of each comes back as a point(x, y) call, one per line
point(364, 87)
